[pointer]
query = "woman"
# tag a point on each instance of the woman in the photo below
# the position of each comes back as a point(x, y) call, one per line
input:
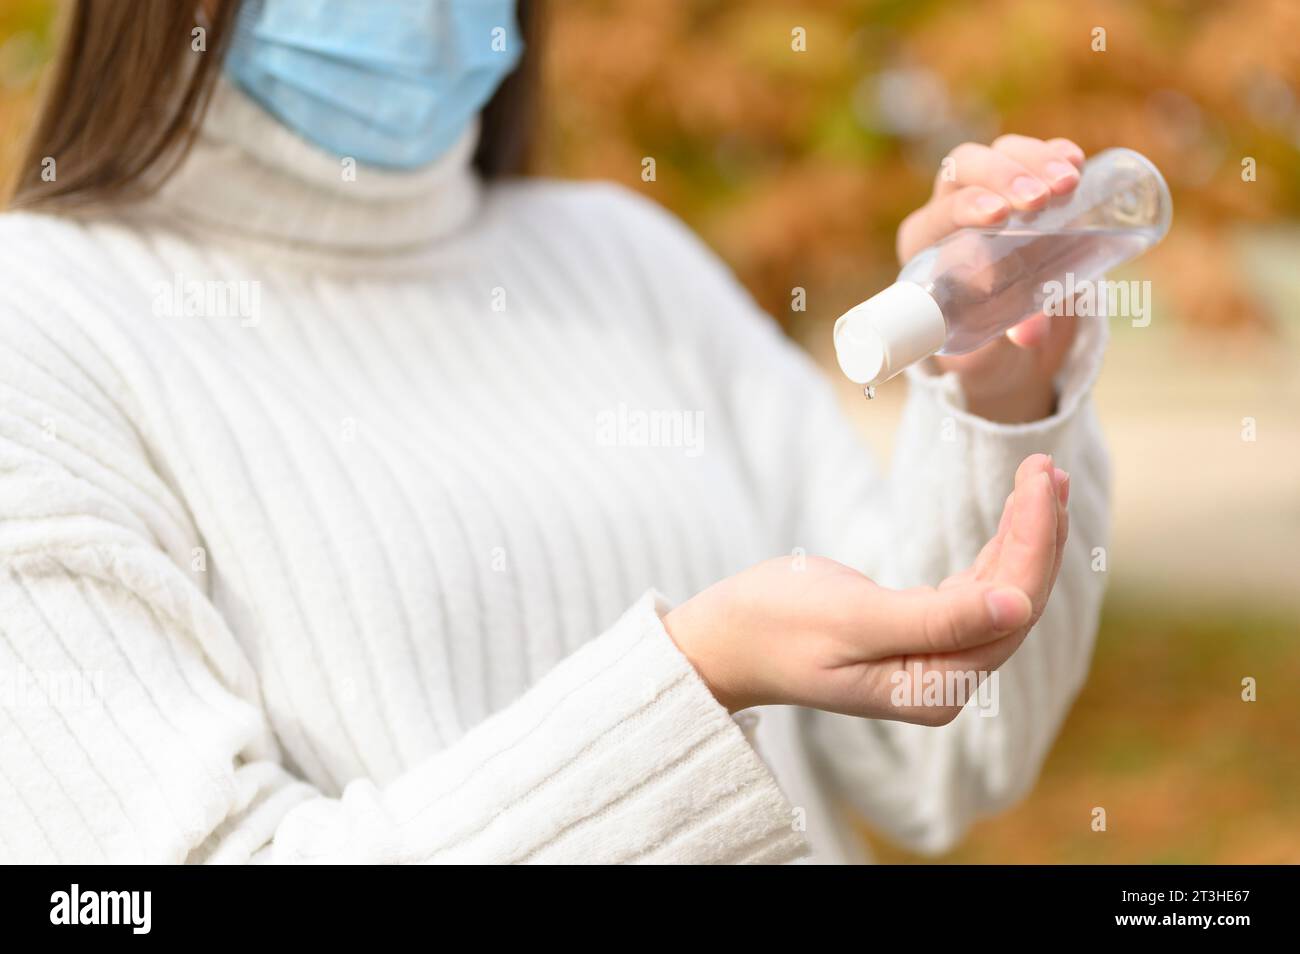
point(308, 486)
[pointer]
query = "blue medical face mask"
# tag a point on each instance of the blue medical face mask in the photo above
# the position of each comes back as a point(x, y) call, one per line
point(392, 83)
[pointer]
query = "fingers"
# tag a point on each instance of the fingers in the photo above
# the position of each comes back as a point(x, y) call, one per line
point(1028, 550)
point(1060, 337)
point(991, 655)
point(931, 621)
point(1062, 519)
point(988, 556)
point(1068, 149)
point(969, 207)
point(1054, 162)
point(979, 186)
point(1053, 334)
point(971, 164)
point(986, 565)
point(986, 560)
point(1022, 548)
point(987, 658)
point(1031, 332)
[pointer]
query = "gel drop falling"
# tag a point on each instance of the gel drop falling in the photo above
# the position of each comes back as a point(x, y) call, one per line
point(970, 287)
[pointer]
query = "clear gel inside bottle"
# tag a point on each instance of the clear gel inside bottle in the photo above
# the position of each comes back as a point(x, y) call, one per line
point(965, 290)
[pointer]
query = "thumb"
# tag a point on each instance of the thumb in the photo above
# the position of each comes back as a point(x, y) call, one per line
point(927, 620)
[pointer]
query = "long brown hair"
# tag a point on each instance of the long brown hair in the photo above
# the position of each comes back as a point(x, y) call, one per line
point(128, 93)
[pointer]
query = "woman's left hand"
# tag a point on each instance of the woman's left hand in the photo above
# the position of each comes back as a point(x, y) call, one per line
point(1010, 379)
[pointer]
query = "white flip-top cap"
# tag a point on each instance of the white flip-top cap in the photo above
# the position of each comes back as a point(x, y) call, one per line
point(880, 337)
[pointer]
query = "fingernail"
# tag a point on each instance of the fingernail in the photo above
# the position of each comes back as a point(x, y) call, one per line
point(1027, 190)
point(1059, 172)
point(1009, 608)
point(1063, 486)
point(991, 205)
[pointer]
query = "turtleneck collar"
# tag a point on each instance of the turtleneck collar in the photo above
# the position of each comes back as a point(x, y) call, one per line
point(249, 176)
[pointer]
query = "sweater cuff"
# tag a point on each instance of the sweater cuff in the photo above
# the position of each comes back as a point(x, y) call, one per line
point(619, 754)
point(941, 397)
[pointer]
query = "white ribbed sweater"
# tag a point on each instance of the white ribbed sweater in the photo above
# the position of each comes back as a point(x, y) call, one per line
point(365, 573)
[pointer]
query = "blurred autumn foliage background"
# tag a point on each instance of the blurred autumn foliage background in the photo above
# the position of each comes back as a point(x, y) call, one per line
point(794, 136)
point(798, 165)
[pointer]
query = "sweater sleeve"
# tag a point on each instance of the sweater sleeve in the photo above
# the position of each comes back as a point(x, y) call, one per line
point(131, 727)
point(923, 519)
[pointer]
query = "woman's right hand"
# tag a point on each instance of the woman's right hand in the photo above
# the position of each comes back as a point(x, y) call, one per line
point(813, 632)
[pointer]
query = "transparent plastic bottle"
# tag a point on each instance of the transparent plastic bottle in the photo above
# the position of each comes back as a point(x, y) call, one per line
point(973, 285)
